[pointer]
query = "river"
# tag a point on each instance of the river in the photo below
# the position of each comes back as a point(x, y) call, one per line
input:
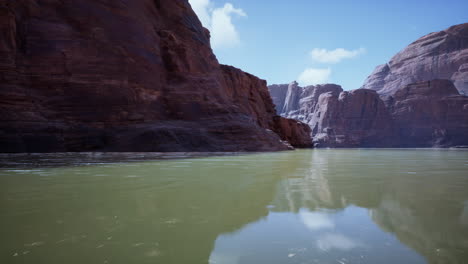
point(306, 206)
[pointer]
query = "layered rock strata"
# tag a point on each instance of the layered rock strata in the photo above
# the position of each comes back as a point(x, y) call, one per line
point(124, 76)
point(339, 118)
point(430, 113)
point(438, 55)
point(418, 99)
point(424, 114)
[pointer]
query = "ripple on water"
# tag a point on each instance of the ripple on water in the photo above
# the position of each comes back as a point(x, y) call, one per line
point(35, 244)
point(133, 176)
point(153, 253)
point(228, 196)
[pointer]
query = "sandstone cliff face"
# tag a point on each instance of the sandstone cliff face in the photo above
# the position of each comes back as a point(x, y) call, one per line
point(298, 134)
point(424, 114)
point(439, 55)
point(123, 76)
point(250, 96)
point(278, 95)
point(337, 118)
point(417, 103)
point(298, 102)
point(430, 114)
point(355, 118)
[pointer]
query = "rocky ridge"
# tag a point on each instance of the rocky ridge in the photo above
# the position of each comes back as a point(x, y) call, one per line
point(438, 55)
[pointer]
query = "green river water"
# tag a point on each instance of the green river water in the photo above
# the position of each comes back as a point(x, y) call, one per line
point(305, 206)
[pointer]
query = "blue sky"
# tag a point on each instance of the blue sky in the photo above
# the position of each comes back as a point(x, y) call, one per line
point(320, 41)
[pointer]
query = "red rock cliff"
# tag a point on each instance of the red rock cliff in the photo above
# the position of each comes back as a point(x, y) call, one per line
point(418, 99)
point(438, 55)
point(123, 76)
point(355, 118)
point(430, 114)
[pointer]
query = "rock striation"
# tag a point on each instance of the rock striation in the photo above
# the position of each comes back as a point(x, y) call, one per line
point(430, 113)
point(278, 95)
point(340, 118)
point(423, 114)
point(355, 118)
point(438, 55)
point(126, 76)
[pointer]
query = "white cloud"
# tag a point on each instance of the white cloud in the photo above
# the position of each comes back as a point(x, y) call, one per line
point(334, 56)
point(219, 21)
point(224, 33)
point(316, 220)
point(311, 76)
point(202, 9)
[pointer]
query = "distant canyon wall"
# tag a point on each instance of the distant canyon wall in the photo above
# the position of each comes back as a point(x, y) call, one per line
point(423, 114)
point(416, 100)
point(438, 55)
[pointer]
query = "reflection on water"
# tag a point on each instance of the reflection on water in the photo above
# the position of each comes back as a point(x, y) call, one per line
point(309, 206)
point(315, 220)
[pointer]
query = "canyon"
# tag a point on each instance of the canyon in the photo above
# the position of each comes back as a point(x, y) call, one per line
point(141, 76)
point(127, 76)
point(416, 100)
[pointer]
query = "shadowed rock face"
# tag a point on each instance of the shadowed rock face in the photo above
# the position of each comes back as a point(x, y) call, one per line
point(439, 55)
point(123, 76)
point(278, 95)
point(430, 113)
point(293, 131)
point(291, 102)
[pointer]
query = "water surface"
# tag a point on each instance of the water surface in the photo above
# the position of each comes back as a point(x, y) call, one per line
point(307, 206)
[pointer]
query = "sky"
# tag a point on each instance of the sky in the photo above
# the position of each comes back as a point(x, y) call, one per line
point(326, 41)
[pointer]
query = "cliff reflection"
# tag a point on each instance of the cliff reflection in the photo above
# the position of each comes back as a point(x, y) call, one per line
point(311, 206)
point(412, 196)
point(142, 212)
